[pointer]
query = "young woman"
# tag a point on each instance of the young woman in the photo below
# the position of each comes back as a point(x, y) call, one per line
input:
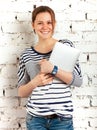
point(49, 104)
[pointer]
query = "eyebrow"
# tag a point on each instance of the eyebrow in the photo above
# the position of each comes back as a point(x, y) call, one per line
point(42, 21)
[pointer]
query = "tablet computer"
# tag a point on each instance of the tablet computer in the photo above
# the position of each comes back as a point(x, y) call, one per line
point(64, 56)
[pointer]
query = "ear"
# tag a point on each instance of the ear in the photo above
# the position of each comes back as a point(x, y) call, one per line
point(32, 25)
point(54, 24)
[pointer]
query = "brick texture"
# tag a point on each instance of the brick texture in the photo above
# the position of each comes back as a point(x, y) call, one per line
point(76, 21)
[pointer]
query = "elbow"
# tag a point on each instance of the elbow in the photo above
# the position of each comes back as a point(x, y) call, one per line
point(81, 82)
point(78, 82)
point(20, 93)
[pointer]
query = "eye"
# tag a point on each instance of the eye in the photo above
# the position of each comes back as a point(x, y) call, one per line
point(49, 22)
point(39, 23)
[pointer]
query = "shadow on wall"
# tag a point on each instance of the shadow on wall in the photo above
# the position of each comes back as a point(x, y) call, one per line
point(12, 108)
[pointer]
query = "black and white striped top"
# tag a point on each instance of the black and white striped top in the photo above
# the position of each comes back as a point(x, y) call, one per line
point(54, 98)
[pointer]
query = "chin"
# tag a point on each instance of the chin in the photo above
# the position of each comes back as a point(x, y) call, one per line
point(47, 37)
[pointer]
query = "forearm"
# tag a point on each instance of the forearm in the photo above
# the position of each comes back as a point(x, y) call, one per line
point(72, 78)
point(38, 81)
point(26, 90)
point(64, 76)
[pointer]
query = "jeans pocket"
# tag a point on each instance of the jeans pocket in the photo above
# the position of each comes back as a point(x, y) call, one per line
point(66, 122)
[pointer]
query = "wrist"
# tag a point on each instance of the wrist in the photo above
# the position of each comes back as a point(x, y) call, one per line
point(33, 83)
point(55, 70)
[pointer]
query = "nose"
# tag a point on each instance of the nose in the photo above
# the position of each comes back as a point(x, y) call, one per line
point(45, 26)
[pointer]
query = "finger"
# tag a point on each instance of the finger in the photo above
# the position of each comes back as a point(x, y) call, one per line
point(49, 80)
point(48, 76)
point(42, 61)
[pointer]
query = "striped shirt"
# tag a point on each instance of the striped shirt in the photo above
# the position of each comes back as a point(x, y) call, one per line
point(54, 98)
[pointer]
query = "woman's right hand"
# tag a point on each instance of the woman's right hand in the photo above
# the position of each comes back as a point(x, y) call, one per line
point(38, 81)
point(42, 79)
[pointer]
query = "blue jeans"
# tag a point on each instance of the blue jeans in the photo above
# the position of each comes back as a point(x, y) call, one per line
point(42, 123)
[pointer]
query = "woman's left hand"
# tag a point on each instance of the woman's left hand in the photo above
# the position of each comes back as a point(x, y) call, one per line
point(45, 66)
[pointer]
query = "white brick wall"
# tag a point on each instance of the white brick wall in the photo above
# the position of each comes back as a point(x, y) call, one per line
point(77, 21)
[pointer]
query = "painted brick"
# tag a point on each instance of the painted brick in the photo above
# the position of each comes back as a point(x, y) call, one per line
point(11, 92)
point(1, 93)
point(86, 91)
point(93, 123)
point(94, 101)
point(8, 102)
point(92, 15)
point(7, 82)
point(16, 27)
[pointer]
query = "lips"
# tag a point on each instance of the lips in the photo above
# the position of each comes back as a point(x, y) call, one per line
point(44, 32)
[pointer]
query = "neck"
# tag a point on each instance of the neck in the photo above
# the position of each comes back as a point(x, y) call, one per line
point(45, 42)
point(45, 45)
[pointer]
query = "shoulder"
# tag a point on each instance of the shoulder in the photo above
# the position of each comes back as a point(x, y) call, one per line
point(26, 52)
point(67, 42)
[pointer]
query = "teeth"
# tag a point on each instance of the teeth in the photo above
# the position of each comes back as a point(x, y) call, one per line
point(45, 32)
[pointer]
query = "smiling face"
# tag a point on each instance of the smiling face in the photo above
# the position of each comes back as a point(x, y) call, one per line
point(43, 25)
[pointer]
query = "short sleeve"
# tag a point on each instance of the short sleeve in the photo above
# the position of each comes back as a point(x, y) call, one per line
point(22, 74)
